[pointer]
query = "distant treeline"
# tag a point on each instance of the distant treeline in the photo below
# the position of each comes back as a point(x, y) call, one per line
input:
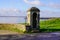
point(48, 17)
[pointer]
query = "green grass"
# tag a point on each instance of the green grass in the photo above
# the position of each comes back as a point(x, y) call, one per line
point(50, 25)
point(11, 27)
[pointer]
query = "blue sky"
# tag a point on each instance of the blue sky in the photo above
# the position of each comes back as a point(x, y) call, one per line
point(48, 8)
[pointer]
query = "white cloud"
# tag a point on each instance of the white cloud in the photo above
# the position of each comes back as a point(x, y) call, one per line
point(48, 13)
point(53, 5)
point(34, 2)
point(10, 12)
point(39, 3)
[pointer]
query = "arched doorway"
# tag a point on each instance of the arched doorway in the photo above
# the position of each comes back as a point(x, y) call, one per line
point(34, 20)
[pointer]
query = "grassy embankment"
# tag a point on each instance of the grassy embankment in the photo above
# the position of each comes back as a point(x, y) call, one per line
point(45, 26)
point(50, 25)
point(12, 27)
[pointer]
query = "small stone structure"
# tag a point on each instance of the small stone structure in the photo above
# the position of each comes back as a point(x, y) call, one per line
point(33, 19)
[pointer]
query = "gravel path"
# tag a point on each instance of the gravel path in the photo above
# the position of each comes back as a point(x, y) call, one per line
point(34, 36)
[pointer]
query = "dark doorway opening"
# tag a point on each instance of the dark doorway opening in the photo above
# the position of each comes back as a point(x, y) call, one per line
point(34, 20)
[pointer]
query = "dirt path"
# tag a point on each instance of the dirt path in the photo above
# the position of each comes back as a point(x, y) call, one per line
point(4, 32)
point(34, 36)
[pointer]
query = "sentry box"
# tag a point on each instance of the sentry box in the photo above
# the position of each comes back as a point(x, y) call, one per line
point(33, 16)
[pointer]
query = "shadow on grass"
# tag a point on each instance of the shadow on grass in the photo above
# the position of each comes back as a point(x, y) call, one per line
point(49, 30)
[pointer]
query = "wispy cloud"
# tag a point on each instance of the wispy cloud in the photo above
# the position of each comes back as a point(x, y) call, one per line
point(10, 12)
point(53, 5)
point(35, 2)
point(48, 13)
point(39, 3)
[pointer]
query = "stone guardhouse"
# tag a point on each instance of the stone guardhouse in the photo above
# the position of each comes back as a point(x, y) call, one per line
point(33, 16)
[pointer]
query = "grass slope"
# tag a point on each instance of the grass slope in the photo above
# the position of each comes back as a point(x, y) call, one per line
point(50, 25)
point(11, 27)
point(45, 26)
